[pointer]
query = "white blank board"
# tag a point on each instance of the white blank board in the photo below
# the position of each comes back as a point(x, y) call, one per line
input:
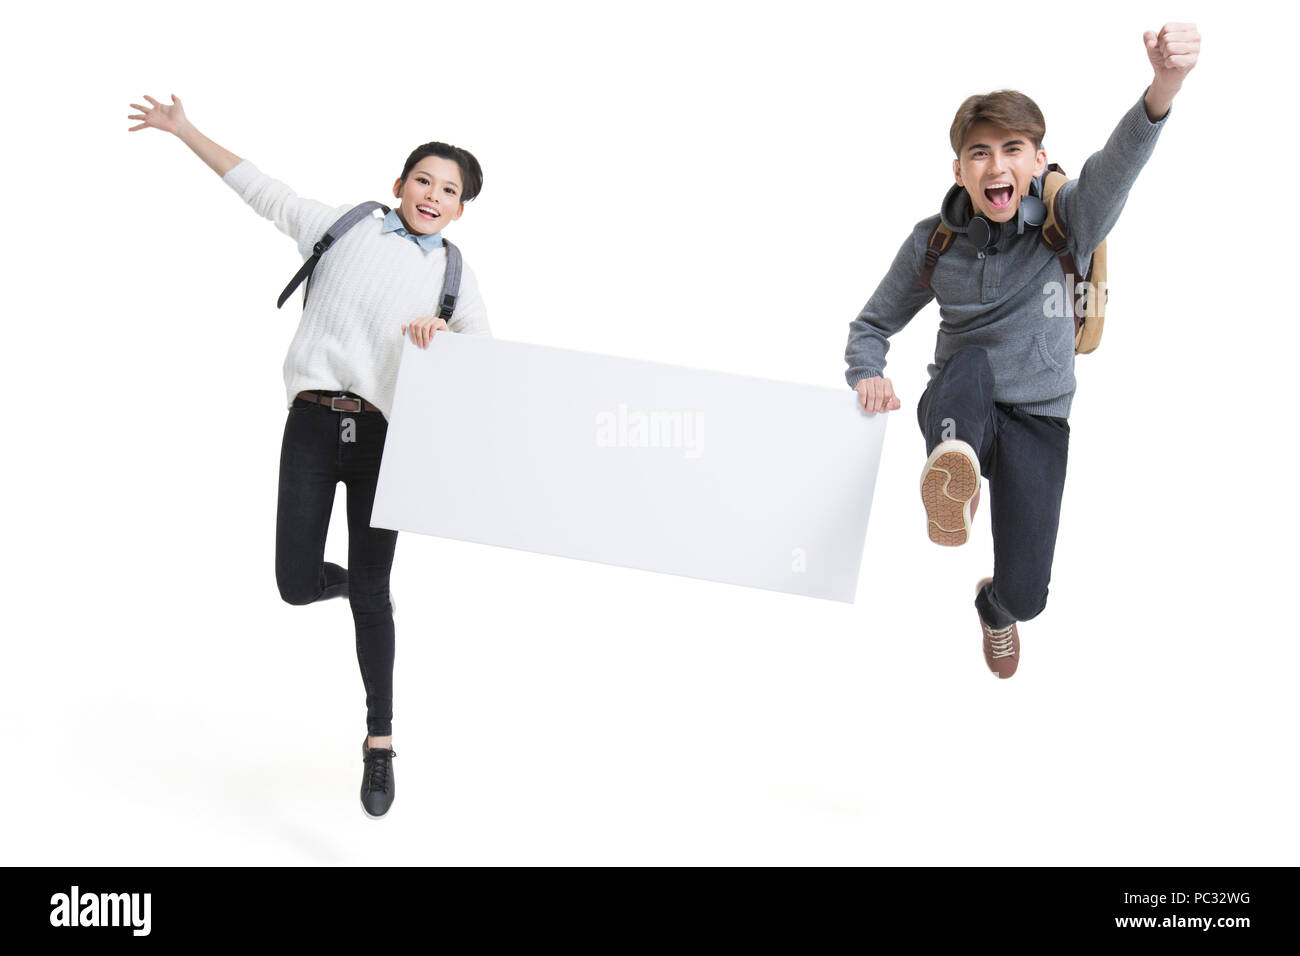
point(710, 475)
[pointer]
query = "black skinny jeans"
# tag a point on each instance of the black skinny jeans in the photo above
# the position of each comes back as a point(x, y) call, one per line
point(1023, 456)
point(320, 449)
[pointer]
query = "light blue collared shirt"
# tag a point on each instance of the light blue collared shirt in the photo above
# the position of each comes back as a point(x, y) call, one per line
point(393, 223)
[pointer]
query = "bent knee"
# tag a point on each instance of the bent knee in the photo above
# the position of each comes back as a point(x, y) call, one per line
point(296, 591)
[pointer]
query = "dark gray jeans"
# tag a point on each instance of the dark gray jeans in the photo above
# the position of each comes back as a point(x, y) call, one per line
point(319, 450)
point(1023, 457)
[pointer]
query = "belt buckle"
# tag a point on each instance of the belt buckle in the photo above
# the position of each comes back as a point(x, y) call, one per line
point(344, 398)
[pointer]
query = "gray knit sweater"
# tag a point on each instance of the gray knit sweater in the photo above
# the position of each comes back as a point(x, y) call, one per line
point(997, 302)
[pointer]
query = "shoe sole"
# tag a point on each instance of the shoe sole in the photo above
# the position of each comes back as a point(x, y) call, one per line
point(949, 482)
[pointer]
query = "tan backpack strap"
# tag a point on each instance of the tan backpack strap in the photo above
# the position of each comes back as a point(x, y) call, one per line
point(1053, 231)
point(938, 243)
point(1087, 329)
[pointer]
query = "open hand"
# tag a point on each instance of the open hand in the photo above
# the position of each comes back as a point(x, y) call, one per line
point(169, 119)
point(422, 330)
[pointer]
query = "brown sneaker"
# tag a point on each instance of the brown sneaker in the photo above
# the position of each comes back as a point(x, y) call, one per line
point(950, 491)
point(1001, 645)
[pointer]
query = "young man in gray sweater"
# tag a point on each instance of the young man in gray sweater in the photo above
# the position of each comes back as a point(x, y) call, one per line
point(1003, 373)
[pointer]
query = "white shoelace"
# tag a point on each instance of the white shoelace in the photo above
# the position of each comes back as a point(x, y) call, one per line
point(1000, 640)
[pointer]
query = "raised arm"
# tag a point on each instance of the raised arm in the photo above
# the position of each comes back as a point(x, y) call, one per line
point(303, 219)
point(1092, 203)
point(172, 119)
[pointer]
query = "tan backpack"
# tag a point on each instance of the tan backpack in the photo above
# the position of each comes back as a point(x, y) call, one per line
point(1087, 293)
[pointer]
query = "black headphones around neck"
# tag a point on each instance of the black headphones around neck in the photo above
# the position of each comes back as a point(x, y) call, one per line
point(985, 233)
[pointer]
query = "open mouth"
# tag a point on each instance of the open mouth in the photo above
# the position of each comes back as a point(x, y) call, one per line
point(999, 195)
point(427, 212)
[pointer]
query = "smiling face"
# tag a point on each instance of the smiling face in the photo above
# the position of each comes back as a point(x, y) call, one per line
point(995, 168)
point(430, 195)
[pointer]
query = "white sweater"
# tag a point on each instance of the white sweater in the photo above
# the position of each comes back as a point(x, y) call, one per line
point(363, 290)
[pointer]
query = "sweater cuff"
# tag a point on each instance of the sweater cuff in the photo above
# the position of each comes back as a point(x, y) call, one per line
point(239, 177)
point(855, 375)
point(1138, 125)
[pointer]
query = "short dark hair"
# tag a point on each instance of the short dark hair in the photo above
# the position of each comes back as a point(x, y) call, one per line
point(1009, 109)
point(470, 171)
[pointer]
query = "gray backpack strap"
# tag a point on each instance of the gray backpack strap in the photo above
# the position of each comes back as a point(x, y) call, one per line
point(450, 282)
point(332, 235)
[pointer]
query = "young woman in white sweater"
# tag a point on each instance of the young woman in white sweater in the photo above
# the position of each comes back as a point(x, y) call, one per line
point(378, 282)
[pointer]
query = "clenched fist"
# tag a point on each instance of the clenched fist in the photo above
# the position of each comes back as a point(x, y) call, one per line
point(1173, 51)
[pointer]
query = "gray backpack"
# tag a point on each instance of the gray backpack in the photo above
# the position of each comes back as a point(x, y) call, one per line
point(450, 280)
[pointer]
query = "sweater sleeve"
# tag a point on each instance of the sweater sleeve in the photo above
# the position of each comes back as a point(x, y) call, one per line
point(304, 219)
point(470, 315)
point(896, 300)
point(1091, 204)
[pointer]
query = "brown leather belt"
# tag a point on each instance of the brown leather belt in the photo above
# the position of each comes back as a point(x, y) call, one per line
point(339, 402)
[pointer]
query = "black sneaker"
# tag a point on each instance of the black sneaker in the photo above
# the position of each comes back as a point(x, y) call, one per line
point(377, 788)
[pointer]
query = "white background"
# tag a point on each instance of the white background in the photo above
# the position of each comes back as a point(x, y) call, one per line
point(714, 185)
